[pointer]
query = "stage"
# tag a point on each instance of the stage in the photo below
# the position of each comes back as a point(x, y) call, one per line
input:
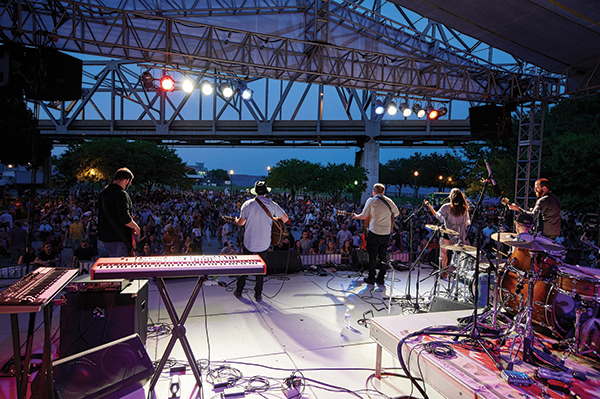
point(469, 373)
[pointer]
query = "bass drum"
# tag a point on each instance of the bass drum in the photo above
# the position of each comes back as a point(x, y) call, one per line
point(552, 310)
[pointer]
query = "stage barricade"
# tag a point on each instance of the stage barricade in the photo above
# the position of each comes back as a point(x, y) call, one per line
point(320, 259)
point(12, 271)
point(401, 257)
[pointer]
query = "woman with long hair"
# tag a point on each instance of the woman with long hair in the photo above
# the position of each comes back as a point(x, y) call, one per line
point(455, 216)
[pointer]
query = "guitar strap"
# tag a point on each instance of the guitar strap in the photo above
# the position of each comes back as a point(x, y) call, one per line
point(391, 212)
point(263, 207)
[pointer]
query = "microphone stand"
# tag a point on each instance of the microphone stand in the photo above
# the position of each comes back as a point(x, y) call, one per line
point(410, 250)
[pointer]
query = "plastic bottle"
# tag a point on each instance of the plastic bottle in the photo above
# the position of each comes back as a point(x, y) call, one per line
point(347, 318)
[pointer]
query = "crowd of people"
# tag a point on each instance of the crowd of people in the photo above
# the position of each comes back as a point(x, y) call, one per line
point(188, 222)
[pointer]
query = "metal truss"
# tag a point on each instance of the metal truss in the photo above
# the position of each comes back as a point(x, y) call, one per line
point(115, 104)
point(529, 152)
point(385, 56)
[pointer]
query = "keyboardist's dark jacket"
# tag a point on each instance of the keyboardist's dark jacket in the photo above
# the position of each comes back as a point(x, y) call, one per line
point(114, 203)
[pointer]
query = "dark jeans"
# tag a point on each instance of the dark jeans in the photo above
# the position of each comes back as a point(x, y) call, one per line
point(377, 248)
point(259, 277)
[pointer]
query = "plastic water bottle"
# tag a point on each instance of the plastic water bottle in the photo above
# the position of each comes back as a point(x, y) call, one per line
point(347, 318)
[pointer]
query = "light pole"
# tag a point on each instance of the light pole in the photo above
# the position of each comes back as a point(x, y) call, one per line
point(416, 187)
point(93, 177)
point(441, 181)
point(231, 180)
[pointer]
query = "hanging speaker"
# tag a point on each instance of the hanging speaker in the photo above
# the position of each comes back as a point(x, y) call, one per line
point(114, 369)
point(489, 122)
point(57, 76)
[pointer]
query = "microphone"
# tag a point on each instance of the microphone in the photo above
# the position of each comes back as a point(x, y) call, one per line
point(496, 188)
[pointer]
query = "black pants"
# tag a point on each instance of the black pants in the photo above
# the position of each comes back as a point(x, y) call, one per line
point(377, 250)
point(259, 277)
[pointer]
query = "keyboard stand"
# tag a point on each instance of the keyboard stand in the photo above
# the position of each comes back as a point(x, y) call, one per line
point(178, 332)
point(45, 372)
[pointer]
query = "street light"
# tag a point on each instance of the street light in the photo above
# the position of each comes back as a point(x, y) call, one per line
point(93, 177)
point(416, 187)
point(268, 170)
point(441, 181)
point(231, 180)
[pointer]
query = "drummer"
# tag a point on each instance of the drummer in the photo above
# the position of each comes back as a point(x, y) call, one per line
point(455, 216)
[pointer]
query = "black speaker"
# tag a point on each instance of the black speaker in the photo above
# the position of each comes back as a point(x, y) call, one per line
point(111, 370)
point(439, 304)
point(279, 262)
point(489, 122)
point(92, 318)
point(42, 73)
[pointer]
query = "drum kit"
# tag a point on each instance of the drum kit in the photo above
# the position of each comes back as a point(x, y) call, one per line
point(535, 289)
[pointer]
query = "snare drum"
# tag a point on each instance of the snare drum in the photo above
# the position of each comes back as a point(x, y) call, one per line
point(579, 281)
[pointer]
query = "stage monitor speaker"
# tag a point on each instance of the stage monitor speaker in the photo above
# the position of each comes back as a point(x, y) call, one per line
point(111, 370)
point(489, 122)
point(92, 318)
point(279, 262)
point(439, 304)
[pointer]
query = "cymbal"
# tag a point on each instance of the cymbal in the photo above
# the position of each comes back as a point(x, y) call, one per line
point(535, 244)
point(459, 248)
point(441, 229)
point(503, 237)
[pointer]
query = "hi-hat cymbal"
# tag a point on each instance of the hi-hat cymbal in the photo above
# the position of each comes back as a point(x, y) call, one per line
point(503, 237)
point(459, 248)
point(536, 244)
point(441, 229)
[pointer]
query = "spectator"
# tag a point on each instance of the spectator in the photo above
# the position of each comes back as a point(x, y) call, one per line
point(47, 256)
point(229, 249)
point(17, 241)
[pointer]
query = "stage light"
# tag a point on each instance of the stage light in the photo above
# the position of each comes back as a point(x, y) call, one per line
point(378, 107)
point(245, 92)
point(432, 113)
point(392, 109)
point(167, 83)
point(207, 88)
point(406, 111)
point(226, 89)
point(418, 110)
point(442, 111)
point(147, 80)
point(187, 85)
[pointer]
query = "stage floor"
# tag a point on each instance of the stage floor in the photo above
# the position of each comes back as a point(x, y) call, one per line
point(297, 328)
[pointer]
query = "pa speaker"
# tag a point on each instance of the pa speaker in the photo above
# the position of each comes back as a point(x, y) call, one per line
point(112, 370)
point(57, 75)
point(279, 262)
point(93, 318)
point(489, 122)
point(439, 304)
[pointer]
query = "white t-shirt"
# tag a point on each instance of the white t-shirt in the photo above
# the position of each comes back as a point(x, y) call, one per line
point(257, 232)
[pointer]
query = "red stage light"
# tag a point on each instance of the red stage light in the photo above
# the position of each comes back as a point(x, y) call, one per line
point(167, 83)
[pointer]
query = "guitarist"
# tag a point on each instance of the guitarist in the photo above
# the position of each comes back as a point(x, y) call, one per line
point(380, 211)
point(257, 232)
point(115, 217)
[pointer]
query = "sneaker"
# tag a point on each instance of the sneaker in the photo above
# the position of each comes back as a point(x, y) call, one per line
point(369, 280)
point(258, 297)
point(237, 294)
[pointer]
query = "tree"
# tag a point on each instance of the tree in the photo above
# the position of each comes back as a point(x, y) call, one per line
point(153, 165)
point(571, 155)
point(293, 175)
point(220, 174)
point(336, 179)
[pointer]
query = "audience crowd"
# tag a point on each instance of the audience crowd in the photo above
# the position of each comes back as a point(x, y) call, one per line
point(187, 222)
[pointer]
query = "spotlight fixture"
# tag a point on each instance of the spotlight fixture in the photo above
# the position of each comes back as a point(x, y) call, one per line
point(406, 111)
point(418, 110)
point(245, 92)
point(432, 113)
point(378, 107)
point(226, 89)
point(187, 85)
point(442, 111)
point(392, 109)
point(147, 80)
point(207, 88)
point(167, 83)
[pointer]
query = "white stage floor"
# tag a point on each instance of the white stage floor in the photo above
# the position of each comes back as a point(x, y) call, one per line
point(297, 328)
